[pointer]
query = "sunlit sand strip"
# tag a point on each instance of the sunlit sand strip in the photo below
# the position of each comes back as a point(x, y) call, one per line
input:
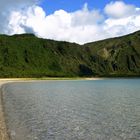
point(3, 129)
point(94, 78)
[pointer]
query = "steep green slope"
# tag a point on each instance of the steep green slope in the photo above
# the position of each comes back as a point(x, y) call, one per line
point(117, 56)
point(28, 56)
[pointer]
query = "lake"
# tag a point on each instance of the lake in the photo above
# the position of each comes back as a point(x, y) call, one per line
point(106, 109)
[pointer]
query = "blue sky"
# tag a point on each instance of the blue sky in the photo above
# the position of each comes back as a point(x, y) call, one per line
point(79, 21)
point(72, 5)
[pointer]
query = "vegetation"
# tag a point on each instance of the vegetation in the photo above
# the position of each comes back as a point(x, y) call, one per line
point(28, 56)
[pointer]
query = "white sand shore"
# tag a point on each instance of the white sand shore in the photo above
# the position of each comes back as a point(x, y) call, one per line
point(3, 129)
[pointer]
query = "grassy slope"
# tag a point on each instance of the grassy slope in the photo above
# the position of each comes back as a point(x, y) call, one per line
point(28, 56)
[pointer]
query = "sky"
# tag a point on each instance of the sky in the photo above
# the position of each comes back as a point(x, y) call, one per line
point(79, 21)
point(72, 5)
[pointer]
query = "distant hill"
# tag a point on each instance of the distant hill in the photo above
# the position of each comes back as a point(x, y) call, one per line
point(28, 56)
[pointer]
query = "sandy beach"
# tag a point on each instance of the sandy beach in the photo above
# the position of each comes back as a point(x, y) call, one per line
point(3, 129)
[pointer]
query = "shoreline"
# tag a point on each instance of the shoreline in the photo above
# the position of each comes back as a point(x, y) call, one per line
point(3, 128)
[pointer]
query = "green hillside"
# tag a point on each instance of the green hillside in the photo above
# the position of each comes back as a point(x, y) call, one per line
point(28, 56)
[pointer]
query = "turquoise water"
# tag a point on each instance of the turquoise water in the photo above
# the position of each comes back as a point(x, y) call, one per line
point(73, 110)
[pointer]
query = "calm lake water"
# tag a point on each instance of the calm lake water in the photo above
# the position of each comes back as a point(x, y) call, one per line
point(73, 110)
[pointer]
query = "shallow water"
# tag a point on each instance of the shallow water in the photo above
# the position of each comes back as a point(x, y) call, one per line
point(73, 110)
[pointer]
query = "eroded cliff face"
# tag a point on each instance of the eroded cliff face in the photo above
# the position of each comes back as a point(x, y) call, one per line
point(117, 56)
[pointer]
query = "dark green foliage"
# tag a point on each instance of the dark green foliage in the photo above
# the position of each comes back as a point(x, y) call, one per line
point(85, 71)
point(28, 56)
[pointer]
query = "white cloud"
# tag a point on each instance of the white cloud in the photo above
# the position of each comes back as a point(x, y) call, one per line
point(61, 25)
point(81, 26)
point(119, 9)
point(122, 18)
point(86, 17)
point(6, 6)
